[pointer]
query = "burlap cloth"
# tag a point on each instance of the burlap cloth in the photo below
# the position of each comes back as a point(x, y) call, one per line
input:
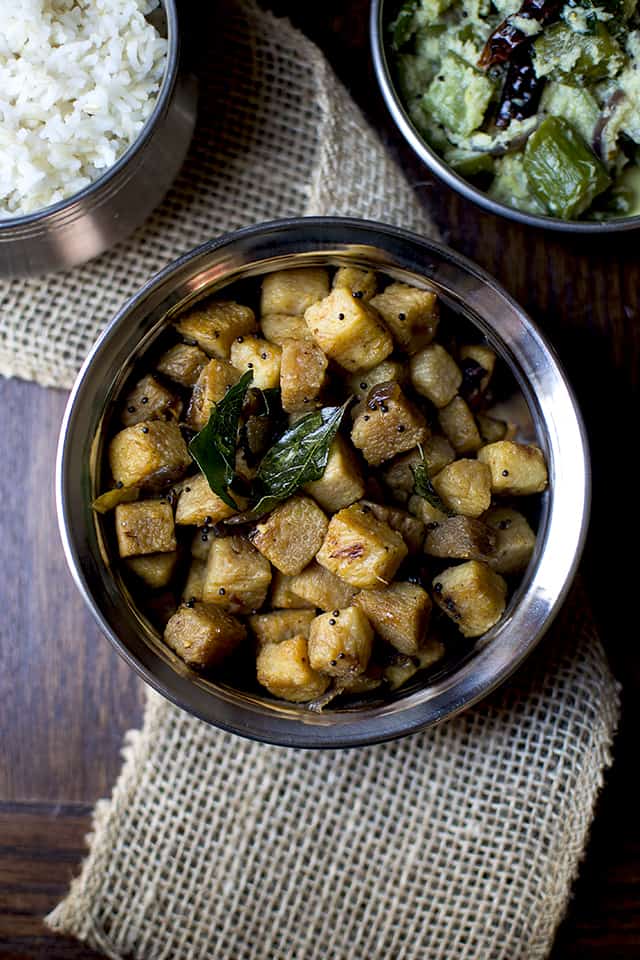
point(461, 842)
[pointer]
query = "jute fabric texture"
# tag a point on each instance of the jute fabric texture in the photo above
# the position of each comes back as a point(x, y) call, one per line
point(277, 136)
point(461, 842)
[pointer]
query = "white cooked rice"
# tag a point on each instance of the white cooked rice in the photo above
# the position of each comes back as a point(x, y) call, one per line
point(78, 79)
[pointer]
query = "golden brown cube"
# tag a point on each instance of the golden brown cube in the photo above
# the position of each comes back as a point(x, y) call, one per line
point(302, 372)
point(182, 364)
point(149, 400)
point(149, 452)
point(292, 534)
point(194, 584)
point(340, 642)
point(479, 354)
point(203, 635)
point(213, 383)
point(349, 331)
point(464, 486)
point(361, 383)
point(359, 282)
point(145, 526)
point(281, 625)
point(473, 595)
point(254, 353)
point(405, 667)
point(398, 613)
point(459, 424)
point(491, 429)
point(341, 483)
point(411, 314)
point(398, 476)
point(283, 668)
point(515, 540)
point(292, 291)
point(410, 527)
point(199, 505)
point(516, 469)
point(283, 596)
point(360, 549)
point(237, 576)
point(435, 374)
point(420, 508)
point(462, 538)
point(278, 327)
point(389, 424)
point(215, 324)
point(318, 587)
point(155, 569)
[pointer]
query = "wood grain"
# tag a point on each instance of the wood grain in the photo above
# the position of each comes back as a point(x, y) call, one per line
point(65, 696)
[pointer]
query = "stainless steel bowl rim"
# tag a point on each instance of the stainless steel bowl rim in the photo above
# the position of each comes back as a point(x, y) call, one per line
point(445, 172)
point(566, 525)
point(24, 225)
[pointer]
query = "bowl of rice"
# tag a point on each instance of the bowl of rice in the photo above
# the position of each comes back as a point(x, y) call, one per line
point(96, 116)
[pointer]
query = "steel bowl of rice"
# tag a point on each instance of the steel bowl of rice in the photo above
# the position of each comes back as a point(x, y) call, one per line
point(96, 115)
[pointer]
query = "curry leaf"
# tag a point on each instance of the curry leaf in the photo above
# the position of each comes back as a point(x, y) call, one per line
point(298, 457)
point(424, 488)
point(214, 448)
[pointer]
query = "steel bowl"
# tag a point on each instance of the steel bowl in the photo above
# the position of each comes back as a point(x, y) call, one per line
point(109, 209)
point(382, 11)
point(549, 415)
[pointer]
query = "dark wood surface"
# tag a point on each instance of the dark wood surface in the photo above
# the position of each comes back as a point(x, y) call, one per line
point(66, 698)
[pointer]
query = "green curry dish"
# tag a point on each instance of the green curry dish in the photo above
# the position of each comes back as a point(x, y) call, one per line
point(481, 78)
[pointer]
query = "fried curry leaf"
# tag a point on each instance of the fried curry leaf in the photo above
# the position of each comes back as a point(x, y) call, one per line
point(214, 448)
point(298, 457)
point(424, 488)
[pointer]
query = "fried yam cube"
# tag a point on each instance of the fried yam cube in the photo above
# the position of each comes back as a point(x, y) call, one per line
point(254, 353)
point(203, 635)
point(212, 384)
point(341, 483)
point(237, 577)
point(283, 668)
point(360, 283)
point(461, 538)
point(464, 486)
point(435, 374)
point(399, 614)
point(361, 549)
point(293, 291)
point(302, 373)
point(459, 424)
point(349, 331)
point(318, 587)
point(515, 540)
point(517, 469)
point(194, 583)
point(361, 383)
point(278, 327)
point(154, 569)
point(404, 667)
point(389, 424)
point(281, 625)
point(410, 527)
point(198, 505)
point(149, 400)
point(282, 596)
point(291, 535)
point(425, 511)
point(411, 314)
point(398, 476)
point(182, 364)
point(478, 362)
point(340, 642)
point(215, 324)
point(145, 526)
point(472, 595)
point(491, 429)
point(147, 453)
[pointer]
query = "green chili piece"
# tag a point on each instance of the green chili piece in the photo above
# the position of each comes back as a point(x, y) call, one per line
point(562, 170)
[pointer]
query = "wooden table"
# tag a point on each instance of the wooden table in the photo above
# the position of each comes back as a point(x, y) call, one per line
point(65, 696)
